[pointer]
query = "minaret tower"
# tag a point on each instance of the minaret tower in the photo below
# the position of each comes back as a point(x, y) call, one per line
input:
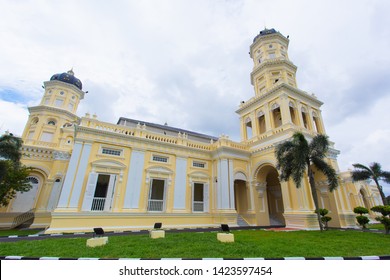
point(57, 110)
point(278, 108)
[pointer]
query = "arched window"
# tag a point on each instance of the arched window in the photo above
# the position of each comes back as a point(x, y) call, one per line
point(261, 121)
point(248, 127)
point(293, 113)
point(304, 117)
point(51, 122)
point(317, 123)
point(34, 120)
point(276, 114)
point(33, 180)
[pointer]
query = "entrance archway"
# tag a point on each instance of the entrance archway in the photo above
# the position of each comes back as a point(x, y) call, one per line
point(366, 202)
point(240, 196)
point(268, 176)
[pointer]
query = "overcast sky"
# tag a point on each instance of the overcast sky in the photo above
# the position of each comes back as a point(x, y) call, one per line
point(187, 63)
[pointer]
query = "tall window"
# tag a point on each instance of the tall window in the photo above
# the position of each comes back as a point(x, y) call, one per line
point(261, 121)
point(47, 136)
point(156, 195)
point(293, 113)
point(248, 127)
point(305, 118)
point(277, 115)
point(317, 123)
point(198, 201)
point(59, 102)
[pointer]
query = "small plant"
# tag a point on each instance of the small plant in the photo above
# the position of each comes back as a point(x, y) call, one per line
point(362, 220)
point(385, 220)
point(324, 219)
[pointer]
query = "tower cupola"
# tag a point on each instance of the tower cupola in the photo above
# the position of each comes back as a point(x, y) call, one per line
point(271, 64)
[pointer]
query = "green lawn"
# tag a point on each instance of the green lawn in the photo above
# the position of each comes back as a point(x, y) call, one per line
point(248, 243)
point(19, 232)
point(376, 226)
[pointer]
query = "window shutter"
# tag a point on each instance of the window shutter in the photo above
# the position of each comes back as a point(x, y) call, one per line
point(90, 191)
point(206, 199)
point(110, 193)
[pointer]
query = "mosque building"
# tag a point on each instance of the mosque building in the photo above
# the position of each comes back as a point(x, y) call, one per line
point(129, 175)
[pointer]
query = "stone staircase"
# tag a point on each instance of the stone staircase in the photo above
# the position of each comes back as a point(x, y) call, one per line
point(274, 221)
point(241, 222)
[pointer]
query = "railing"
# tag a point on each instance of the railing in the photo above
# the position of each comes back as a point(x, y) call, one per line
point(198, 206)
point(156, 205)
point(22, 218)
point(98, 203)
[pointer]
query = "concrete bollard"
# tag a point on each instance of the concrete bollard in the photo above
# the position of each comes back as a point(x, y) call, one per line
point(225, 237)
point(97, 241)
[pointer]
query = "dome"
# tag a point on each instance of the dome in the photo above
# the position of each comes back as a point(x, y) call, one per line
point(67, 77)
point(265, 32)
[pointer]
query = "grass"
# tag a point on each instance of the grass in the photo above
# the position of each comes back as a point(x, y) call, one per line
point(376, 226)
point(19, 232)
point(249, 243)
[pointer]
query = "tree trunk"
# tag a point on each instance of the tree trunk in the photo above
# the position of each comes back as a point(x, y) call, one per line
point(380, 190)
point(314, 195)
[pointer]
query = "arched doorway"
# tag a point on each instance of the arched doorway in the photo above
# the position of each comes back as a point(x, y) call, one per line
point(272, 200)
point(366, 202)
point(240, 196)
point(25, 201)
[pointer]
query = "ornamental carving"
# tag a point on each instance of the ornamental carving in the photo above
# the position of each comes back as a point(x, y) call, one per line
point(57, 155)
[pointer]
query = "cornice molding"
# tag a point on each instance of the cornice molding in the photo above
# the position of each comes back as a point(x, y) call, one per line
point(37, 109)
point(272, 62)
point(275, 90)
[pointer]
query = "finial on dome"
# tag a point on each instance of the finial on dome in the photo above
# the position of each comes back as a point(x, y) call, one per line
point(70, 72)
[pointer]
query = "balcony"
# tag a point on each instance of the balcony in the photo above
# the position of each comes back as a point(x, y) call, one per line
point(98, 203)
point(155, 205)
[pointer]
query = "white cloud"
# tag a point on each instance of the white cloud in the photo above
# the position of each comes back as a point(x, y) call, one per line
point(13, 117)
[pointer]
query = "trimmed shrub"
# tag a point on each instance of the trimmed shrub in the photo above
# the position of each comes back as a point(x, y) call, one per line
point(385, 211)
point(324, 219)
point(360, 210)
point(363, 221)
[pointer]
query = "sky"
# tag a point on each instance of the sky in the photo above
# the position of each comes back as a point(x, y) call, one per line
point(186, 63)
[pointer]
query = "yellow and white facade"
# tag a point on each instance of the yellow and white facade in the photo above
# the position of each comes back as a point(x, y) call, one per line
point(129, 175)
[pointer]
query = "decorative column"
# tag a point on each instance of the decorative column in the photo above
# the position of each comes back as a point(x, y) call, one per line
point(286, 196)
point(285, 110)
point(261, 188)
point(267, 116)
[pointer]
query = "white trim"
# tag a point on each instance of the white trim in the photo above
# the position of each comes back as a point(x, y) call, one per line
point(134, 180)
point(179, 200)
point(70, 174)
point(81, 172)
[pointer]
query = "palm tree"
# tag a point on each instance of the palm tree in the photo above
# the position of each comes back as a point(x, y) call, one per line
point(13, 175)
point(373, 172)
point(297, 156)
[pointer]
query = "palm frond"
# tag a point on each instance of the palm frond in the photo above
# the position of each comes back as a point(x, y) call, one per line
point(376, 169)
point(360, 175)
point(319, 146)
point(284, 158)
point(386, 176)
point(361, 166)
point(328, 171)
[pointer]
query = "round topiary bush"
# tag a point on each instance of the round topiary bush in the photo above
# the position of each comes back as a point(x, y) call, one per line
point(363, 221)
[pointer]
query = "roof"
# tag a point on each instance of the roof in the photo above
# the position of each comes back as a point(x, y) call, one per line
point(168, 128)
point(265, 32)
point(68, 78)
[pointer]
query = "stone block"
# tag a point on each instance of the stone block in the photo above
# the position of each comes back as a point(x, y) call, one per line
point(225, 237)
point(97, 241)
point(157, 234)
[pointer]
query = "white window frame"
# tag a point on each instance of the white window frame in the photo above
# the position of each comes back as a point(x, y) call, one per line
point(150, 195)
point(107, 151)
point(198, 164)
point(206, 199)
point(160, 158)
